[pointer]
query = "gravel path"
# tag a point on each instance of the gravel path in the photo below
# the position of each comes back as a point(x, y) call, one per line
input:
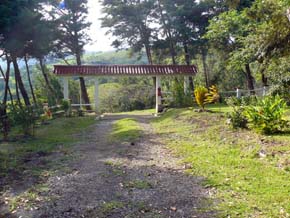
point(118, 180)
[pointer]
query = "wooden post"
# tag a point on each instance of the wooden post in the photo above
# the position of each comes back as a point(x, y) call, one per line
point(96, 94)
point(158, 96)
point(264, 91)
point(65, 88)
point(186, 85)
point(238, 93)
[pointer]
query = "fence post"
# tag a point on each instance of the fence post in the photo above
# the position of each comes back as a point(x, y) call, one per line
point(264, 91)
point(238, 93)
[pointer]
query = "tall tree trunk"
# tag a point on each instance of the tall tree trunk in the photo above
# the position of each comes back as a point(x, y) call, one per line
point(264, 78)
point(29, 80)
point(17, 92)
point(150, 61)
point(84, 92)
point(187, 60)
point(6, 78)
point(20, 84)
point(250, 79)
point(3, 110)
point(45, 76)
point(206, 77)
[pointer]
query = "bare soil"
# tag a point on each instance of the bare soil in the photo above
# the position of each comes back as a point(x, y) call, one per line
point(120, 180)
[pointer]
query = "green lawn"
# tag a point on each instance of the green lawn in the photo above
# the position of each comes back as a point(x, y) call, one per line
point(245, 183)
point(59, 133)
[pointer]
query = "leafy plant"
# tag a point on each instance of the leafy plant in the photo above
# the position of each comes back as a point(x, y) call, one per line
point(267, 116)
point(25, 117)
point(282, 89)
point(66, 106)
point(4, 121)
point(236, 117)
point(213, 95)
point(200, 96)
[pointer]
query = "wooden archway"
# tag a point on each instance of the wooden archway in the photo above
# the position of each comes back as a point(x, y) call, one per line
point(95, 71)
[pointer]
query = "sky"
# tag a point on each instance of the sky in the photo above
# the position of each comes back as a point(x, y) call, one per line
point(100, 41)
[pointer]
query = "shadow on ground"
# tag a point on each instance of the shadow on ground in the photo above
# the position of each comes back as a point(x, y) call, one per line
point(106, 179)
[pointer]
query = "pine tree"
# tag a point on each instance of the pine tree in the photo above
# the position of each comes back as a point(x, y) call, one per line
point(73, 36)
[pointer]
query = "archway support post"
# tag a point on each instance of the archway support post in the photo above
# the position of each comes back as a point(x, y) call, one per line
point(97, 105)
point(186, 85)
point(65, 88)
point(158, 94)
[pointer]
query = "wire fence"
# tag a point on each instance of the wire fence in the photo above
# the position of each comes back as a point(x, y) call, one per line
point(244, 92)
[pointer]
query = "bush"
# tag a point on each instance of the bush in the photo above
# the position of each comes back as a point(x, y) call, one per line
point(25, 117)
point(282, 89)
point(237, 118)
point(213, 95)
point(267, 115)
point(200, 96)
point(66, 106)
point(4, 121)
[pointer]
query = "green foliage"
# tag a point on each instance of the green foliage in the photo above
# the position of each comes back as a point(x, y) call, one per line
point(267, 116)
point(200, 96)
point(179, 98)
point(66, 106)
point(236, 117)
point(4, 121)
point(282, 88)
point(23, 116)
point(118, 97)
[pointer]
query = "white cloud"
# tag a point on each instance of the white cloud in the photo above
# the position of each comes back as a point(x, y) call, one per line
point(100, 41)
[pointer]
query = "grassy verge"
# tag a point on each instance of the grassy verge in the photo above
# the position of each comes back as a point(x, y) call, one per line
point(248, 173)
point(125, 130)
point(57, 134)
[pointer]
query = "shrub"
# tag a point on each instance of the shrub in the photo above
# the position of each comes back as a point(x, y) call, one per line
point(25, 117)
point(200, 96)
point(213, 95)
point(4, 121)
point(282, 89)
point(236, 118)
point(66, 106)
point(267, 116)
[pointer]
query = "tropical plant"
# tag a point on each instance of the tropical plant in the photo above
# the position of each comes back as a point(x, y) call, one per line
point(213, 95)
point(236, 117)
point(267, 116)
point(200, 96)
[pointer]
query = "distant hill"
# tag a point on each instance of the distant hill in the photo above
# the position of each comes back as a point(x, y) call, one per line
point(114, 57)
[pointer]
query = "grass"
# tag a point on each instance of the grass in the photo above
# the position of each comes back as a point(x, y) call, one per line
point(58, 134)
point(125, 130)
point(108, 207)
point(246, 184)
point(138, 184)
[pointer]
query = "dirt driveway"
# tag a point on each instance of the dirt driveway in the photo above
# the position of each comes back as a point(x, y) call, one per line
point(118, 180)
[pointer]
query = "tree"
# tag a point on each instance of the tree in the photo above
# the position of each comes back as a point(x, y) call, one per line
point(73, 37)
point(131, 22)
point(227, 32)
